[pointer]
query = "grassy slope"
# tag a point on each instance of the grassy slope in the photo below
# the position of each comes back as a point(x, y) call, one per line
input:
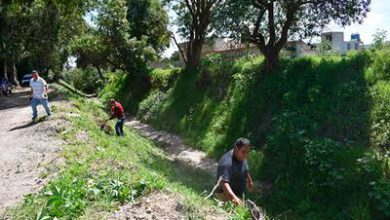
point(317, 122)
point(103, 171)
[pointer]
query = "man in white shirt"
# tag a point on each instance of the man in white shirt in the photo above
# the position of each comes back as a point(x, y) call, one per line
point(38, 94)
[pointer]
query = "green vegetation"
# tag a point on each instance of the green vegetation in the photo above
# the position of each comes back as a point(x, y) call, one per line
point(103, 171)
point(320, 126)
point(86, 80)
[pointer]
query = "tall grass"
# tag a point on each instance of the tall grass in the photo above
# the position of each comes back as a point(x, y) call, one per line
point(103, 171)
point(321, 126)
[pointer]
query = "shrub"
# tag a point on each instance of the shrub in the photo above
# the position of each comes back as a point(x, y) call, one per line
point(128, 89)
point(86, 80)
point(381, 64)
point(380, 114)
point(163, 79)
point(380, 192)
point(149, 107)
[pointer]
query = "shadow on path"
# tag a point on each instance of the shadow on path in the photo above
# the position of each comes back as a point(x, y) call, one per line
point(29, 124)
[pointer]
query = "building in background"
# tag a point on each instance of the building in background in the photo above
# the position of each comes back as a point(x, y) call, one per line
point(223, 46)
point(338, 45)
point(298, 48)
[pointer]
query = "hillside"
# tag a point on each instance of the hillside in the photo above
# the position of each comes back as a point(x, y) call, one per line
point(320, 126)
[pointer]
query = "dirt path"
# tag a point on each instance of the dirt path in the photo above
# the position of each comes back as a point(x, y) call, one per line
point(177, 150)
point(174, 147)
point(26, 148)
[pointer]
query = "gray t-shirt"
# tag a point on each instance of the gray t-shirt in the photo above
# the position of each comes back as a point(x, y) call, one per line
point(234, 172)
point(38, 87)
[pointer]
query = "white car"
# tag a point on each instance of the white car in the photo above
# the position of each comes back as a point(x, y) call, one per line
point(26, 80)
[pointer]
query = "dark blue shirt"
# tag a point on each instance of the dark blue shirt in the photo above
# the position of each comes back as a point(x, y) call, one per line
point(234, 172)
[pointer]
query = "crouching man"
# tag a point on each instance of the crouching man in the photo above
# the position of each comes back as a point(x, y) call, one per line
point(233, 173)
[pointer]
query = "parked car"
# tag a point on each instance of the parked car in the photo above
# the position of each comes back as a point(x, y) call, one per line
point(26, 80)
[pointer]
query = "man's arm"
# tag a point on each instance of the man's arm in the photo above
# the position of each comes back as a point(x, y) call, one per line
point(113, 113)
point(45, 90)
point(111, 117)
point(249, 179)
point(32, 90)
point(229, 193)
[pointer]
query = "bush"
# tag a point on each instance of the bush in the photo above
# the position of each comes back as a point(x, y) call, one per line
point(380, 114)
point(380, 192)
point(149, 107)
point(86, 80)
point(163, 79)
point(381, 64)
point(127, 89)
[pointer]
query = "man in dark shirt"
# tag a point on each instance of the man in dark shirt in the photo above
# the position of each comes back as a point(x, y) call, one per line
point(118, 112)
point(233, 173)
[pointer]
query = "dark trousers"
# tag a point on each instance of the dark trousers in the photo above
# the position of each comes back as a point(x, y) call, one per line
point(119, 126)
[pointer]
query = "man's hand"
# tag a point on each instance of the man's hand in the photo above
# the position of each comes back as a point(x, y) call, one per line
point(251, 186)
point(230, 194)
point(237, 201)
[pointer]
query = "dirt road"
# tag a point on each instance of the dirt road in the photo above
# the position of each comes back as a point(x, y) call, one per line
point(26, 148)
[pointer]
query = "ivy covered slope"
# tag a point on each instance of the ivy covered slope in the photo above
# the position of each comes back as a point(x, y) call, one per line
point(320, 124)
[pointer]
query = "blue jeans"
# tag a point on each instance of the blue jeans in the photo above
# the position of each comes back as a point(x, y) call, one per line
point(35, 102)
point(119, 126)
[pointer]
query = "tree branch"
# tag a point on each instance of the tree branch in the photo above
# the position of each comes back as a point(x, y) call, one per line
point(271, 24)
point(255, 36)
point(189, 7)
point(314, 2)
point(291, 9)
point(177, 45)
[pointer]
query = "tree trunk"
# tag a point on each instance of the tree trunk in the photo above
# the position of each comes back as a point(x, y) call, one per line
point(271, 60)
point(15, 74)
point(5, 69)
point(100, 73)
point(194, 52)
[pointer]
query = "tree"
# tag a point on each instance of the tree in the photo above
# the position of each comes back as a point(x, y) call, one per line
point(194, 19)
point(53, 23)
point(379, 41)
point(148, 18)
point(270, 23)
point(90, 50)
point(125, 35)
point(37, 31)
point(126, 52)
point(10, 42)
point(324, 47)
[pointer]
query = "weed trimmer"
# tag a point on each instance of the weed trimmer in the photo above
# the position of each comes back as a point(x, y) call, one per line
point(103, 125)
point(106, 127)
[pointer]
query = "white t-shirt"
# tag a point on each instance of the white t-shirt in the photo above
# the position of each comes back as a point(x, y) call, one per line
point(38, 87)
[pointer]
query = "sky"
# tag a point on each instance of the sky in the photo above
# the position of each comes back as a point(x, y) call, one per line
point(377, 18)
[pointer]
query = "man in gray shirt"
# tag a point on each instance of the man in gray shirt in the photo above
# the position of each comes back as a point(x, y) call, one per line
point(38, 94)
point(233, 173)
